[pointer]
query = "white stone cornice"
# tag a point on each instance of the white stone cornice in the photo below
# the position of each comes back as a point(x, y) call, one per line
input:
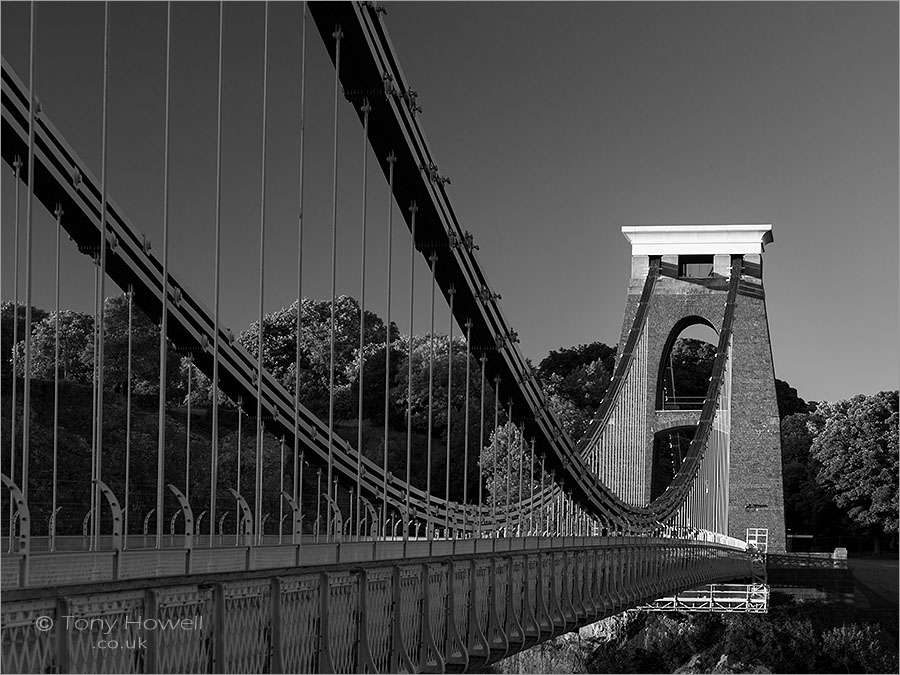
point(697, 239)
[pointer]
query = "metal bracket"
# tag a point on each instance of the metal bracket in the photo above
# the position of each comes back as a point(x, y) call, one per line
point(297, 517)
point(116, 514)
point(373, 516)
point(409, 96)
point(23, 513)
point(389, 89)
point(188, 517)
point(486, 295)
point(337, 517)
point(469, 242)
point(246, 523)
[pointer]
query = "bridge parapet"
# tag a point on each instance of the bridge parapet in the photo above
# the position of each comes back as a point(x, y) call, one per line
point(432, 613)
point(836, 560)
point(66, 567)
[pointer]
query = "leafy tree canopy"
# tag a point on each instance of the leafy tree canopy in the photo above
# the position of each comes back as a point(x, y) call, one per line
point(808, 506)
point(789, 403)
point(7, 322)
point(76, 343)
point(575, 380)
point(691, 364)
point(856, 444)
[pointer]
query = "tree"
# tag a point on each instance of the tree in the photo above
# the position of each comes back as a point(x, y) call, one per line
point(573, 419)
point(144, 352)
point(76, 333)
point(314, 364)
point(856, 443)
point(808, 506)
point(691, 364)
point(505, 459)
point(563, 362)
point(789, 403)
point(575, 380)
point(418, 404)
point(77, 350)
point(7, 309)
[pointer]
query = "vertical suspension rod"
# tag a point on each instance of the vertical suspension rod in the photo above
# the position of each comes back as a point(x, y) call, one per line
point(240, 431)
point(214, 446)
point(161, 450)
point(366, 108)
point(452, 293)
point(465, 499)
point(409, 361)
point(481, 449)
point(387, 336)
point(521, 470)
point(337, 35)
point(318, 501)
point(298, 458)
point(94, 374)
point(17, 166)
point(495, 449)
point(29, 221)
point(510, 429)
point(128, 412)
point(262, 284)
point(531, 489)
point(59, 214)
point(280, 491)
point(187, 447)
point(429, 522)
point(102, 328)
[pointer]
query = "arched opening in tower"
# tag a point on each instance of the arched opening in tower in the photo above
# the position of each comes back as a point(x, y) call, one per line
point(686, 366)
point(670, 447)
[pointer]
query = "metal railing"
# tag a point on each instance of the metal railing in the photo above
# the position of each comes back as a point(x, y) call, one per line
point(683, 402)
point(31, 568)
point(430, 614)
point(719, 598)
point(836, 560)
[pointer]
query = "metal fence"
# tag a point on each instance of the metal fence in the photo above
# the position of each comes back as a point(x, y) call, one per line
point(434, 613)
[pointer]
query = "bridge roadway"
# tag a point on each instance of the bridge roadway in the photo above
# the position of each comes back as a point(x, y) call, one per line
point(350, 607)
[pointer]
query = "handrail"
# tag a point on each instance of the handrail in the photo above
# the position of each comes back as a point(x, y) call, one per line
point(76, 568)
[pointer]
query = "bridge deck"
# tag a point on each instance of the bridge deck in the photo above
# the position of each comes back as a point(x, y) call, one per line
point(432, 614)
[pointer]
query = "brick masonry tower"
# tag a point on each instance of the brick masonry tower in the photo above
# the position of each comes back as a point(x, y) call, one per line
point(695, 262)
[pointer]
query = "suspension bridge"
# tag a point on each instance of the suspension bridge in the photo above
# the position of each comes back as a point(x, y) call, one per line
point(366, 569)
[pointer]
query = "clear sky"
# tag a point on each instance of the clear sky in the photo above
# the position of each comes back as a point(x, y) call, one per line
point(557, 123)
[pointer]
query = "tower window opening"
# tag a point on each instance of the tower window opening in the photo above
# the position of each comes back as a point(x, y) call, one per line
point(695, 266)
point(686, 368)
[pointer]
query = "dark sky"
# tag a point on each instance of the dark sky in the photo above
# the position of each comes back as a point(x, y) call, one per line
point(557, 123)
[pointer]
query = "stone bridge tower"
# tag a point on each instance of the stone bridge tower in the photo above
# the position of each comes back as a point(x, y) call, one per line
point(695, 263)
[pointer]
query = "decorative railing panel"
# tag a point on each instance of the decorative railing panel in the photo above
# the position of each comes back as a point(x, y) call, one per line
point(411, 611)
point(343, 621)
point(27, 645)
point(186, 629)
point(104, 631)
point(379, 617)
point(300, 602)
point(247, 625)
